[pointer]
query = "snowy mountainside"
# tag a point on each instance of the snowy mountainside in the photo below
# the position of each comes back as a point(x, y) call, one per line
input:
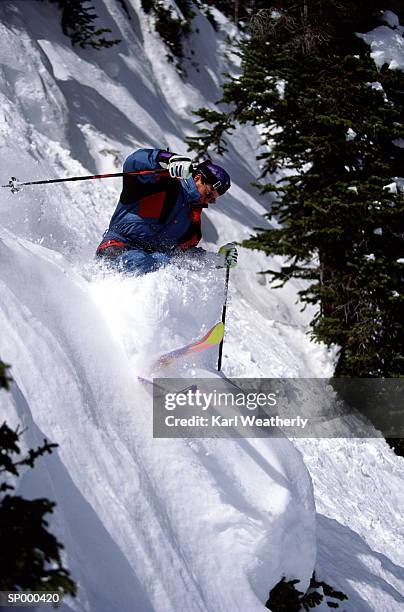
point(197, 546)
point(204, 525)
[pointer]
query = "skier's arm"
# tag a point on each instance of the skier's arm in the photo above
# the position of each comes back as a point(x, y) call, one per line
point(143, 159)
point(179, 166)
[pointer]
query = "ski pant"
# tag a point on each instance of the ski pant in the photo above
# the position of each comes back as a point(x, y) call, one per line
point(135, 260)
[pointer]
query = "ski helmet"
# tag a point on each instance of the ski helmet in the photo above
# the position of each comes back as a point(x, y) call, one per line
point(214, 175)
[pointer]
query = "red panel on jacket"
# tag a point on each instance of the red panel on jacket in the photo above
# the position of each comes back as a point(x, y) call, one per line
point(151, 206)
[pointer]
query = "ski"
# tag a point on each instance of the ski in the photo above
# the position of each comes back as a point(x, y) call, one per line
point(212, 338)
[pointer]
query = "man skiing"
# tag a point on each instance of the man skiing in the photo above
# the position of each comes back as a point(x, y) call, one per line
point(159, 214)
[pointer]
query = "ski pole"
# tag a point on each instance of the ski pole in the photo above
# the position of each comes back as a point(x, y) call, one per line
point(15, 185)
point(226, 290)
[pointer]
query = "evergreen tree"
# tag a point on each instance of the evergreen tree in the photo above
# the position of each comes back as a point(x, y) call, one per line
point(172, 28)
point(4, 377)
point(29, 554)
point(240, 11)
point(330, 121)
point(77, 22)
point(285, 597)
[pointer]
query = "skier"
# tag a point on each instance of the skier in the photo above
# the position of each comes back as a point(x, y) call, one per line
point(158, 215)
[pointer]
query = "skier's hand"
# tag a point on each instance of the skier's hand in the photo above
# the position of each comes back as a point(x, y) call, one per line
point(180, 167)
point(230, 253)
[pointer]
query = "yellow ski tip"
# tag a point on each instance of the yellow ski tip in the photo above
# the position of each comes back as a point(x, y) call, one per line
point(213, 337)
point(216, 334)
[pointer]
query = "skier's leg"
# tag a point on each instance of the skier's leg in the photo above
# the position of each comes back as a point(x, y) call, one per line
point(137, 261)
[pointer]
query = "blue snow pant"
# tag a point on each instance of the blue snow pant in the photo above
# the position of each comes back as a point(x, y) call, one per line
point(140, 262)
point(137, 261)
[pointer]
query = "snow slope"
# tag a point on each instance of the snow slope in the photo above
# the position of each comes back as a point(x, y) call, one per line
point(205, 545)
point(165, 524)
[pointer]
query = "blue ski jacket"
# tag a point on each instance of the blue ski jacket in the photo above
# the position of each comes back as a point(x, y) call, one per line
point(155, 212)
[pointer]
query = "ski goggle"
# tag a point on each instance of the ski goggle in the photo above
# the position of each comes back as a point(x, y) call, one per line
point(210, 195)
